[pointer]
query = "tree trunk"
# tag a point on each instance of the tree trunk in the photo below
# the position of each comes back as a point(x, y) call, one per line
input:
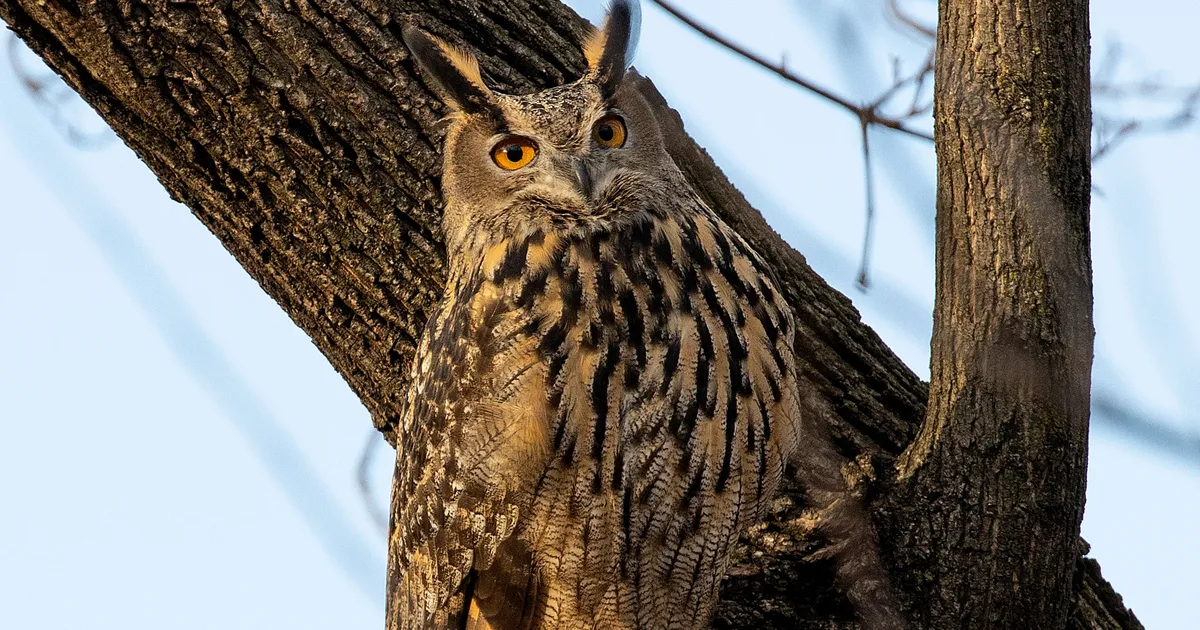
point(298, 133)
point(1000, 462)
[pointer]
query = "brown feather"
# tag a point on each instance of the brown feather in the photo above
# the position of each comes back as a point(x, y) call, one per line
point(606, 396)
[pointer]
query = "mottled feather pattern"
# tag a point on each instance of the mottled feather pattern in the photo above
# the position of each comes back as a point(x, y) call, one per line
point(606, 397)
point(630, 386)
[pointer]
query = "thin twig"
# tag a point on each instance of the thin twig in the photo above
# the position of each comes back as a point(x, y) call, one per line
point(869, 114)
point(864, 280)
point(1146, 89)
point(916, 79)
point(910, 22)
point(1186, 113)
point(1106, 69)
point(364, 482)
point(1111, 131)
point(52, 102)
point(1153, 432)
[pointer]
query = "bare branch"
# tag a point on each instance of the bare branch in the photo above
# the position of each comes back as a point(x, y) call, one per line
point(1111, 131)
point(364, 481)
point(52, 96)
point(1180, 102)
point(1155, 433)
point(917, 81)
point(920, 29)
point(869, 114)
point(1147, 89)
point(864, 280)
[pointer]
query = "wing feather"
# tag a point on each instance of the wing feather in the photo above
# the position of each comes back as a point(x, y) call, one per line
point(472, 435)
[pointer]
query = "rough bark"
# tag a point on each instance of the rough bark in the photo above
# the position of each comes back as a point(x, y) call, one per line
point(297, 133)
point(1000, 462)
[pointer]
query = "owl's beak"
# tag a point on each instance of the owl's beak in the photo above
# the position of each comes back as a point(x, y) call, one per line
point(583, 177)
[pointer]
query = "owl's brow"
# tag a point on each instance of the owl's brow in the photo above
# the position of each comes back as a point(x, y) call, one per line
point(504, 121)
point(497, 120)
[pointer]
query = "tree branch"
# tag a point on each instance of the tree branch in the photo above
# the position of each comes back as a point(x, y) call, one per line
point(1000, 462)
point(867, 114)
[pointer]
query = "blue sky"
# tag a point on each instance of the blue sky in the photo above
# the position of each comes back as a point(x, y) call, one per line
point(175, 453)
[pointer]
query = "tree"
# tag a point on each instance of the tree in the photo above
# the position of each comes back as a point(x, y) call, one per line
point(300, 135)
point(1012, 342)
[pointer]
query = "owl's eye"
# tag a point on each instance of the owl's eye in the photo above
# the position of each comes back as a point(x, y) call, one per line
point(514, 152)
point(610, 132)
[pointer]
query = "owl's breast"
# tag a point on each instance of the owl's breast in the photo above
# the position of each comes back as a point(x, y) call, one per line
point(635, 386)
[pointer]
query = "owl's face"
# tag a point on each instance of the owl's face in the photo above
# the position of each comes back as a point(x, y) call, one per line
point(569, 156)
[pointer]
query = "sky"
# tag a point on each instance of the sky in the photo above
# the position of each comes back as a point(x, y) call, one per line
point(175, 453)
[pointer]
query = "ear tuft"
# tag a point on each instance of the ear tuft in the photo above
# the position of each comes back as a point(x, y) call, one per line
point(610, 49)
point(454, 72)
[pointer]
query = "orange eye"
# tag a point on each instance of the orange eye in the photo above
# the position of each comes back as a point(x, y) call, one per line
point(514, 152)
point(610, 132)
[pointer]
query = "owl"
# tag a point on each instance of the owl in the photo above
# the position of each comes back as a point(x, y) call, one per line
point(605, 398)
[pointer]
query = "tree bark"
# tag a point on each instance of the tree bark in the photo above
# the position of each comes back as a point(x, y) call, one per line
point(298, 133)
point(1001, 460)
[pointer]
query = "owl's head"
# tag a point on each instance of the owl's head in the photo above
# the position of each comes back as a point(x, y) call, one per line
point(582, 153)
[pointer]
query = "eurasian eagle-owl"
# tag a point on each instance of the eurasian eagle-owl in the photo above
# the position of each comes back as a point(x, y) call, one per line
point(606, 396)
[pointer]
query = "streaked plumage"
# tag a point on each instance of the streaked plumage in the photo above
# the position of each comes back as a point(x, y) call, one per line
point(606, 396)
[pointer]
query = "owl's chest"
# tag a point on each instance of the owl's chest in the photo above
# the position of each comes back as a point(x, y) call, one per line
point(633, 395)
point(603, 354)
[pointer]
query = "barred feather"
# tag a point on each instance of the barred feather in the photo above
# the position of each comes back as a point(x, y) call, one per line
point(606, 397)
point(615, 405)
